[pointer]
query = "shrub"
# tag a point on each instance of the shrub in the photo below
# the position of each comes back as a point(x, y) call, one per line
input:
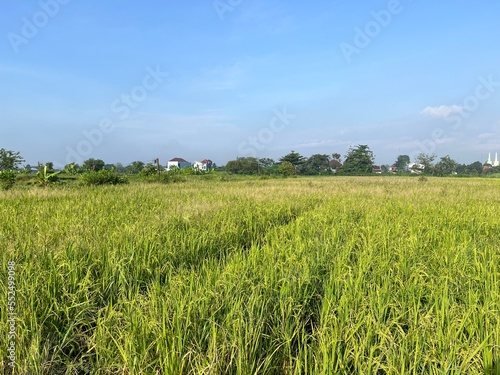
point(287, 169)
point(7, 179)
point(103, 177)
point(45, 176)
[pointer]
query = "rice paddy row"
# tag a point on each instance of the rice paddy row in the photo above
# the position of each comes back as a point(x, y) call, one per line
point(300, 276)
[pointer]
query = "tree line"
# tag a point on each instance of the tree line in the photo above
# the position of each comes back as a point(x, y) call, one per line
point(358, 160)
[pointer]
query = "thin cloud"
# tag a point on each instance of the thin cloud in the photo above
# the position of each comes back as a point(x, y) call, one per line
point(442, 111)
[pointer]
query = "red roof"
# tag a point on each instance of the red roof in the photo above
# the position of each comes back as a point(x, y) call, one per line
point(206, 161)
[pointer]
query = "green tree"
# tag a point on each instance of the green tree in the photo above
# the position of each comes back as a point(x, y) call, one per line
point(402, 163)
point(9, 160)
point(135, 167)
point(7, 179)
point(266, 162)
point(93, 164)
point(359, 160)
point(268, 166)
point(293, 157)
point(317, 164)
point(426, 160)
point(474, 168)
point(50, 167)
point(26, 169)
point(446, 166)
point(248, 165)
point(119, 167)
point(72, 168)
point(150, 170)
point(287, 169)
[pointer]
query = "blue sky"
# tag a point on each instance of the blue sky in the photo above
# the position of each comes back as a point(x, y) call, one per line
point(128, 80)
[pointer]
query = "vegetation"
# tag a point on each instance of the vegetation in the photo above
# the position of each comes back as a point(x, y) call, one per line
point(402, 163)
point(9, 160)
point(103, 177)
point(294, 158)
point(426, 160)
point(337, 275)
point(359, 161)
point(247, 165)
point(287, 169)
point(7, 179)
point(93, 165)
point(46, 175)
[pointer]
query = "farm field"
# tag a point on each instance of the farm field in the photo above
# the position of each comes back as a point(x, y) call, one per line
point(334, 275)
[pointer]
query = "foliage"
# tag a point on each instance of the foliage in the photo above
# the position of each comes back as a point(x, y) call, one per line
point(426, 160)
point(92, 164)
point(266, 163)
point(135, 167)
point(45, 176)
point(7, 179)
point(50, 166)
point(402, 163)
point(293, 157)
point(248, 165)
point(103, 177)
point(9, 160)
point(120, 168)
point(149, 170)
point(72, 169)
point(445, 167)
point(358, 161)
point(287, 169)
point(316, 164)
point(26, 169)
point(475, 168)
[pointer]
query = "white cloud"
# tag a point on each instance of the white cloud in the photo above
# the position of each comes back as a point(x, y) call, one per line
point(442, 111)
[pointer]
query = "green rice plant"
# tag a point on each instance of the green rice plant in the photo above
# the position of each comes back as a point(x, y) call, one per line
point(337, 275)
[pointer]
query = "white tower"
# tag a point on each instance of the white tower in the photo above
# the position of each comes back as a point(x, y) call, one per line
point(496, 163)
point(489, 159)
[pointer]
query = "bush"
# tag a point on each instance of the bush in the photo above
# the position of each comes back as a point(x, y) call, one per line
point(103, 177)
point(287, 169)
point(165, 177)
point(7, 179)
point(46, 177)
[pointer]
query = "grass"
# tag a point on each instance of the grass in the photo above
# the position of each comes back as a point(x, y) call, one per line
point(334, 275)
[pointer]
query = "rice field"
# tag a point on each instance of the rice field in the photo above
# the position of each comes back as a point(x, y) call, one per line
point(336, 275)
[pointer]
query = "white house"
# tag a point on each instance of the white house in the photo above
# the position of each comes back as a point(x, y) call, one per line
point(203, 165)
point(177, 163)
point(415, 168)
